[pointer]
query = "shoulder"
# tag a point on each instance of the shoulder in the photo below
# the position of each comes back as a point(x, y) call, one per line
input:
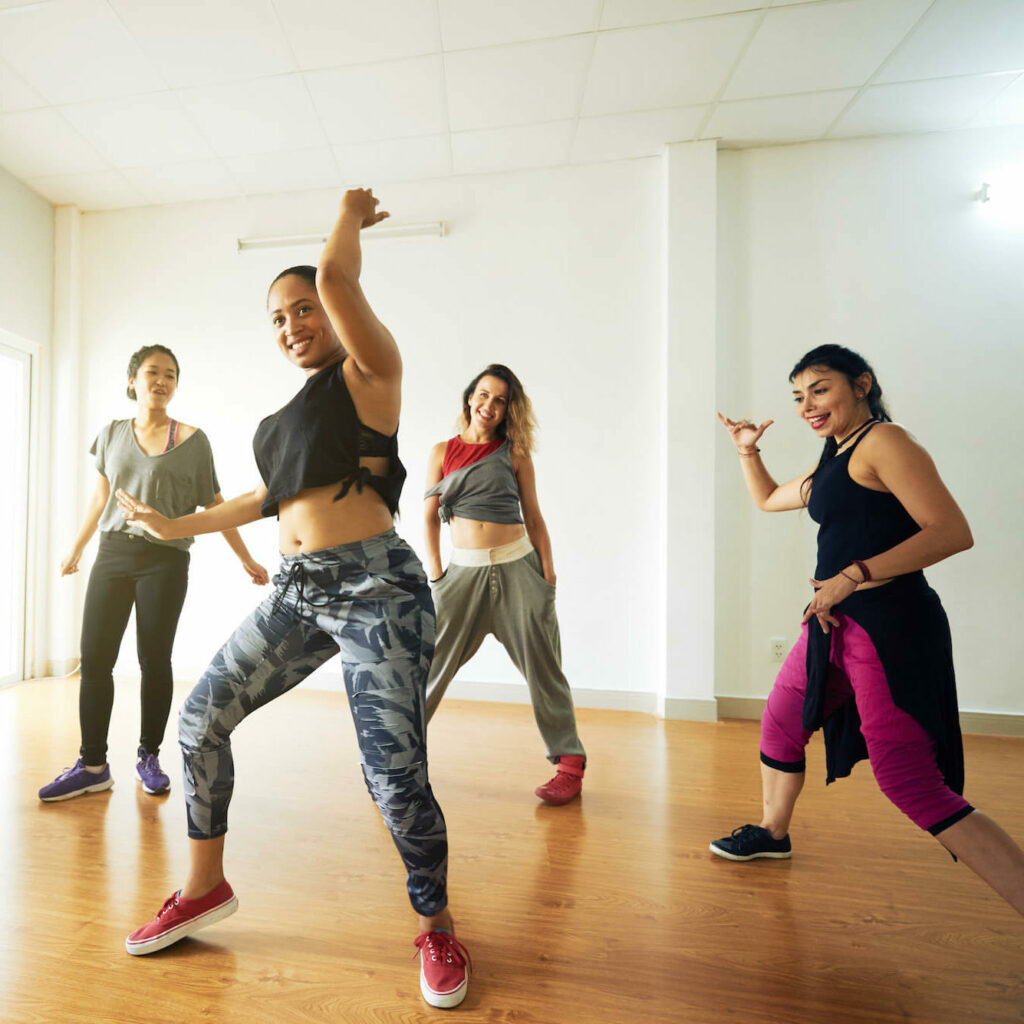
point(520, 461)
point(436, 456)
point(884, 438)
point(112, 429)
point(186, 430)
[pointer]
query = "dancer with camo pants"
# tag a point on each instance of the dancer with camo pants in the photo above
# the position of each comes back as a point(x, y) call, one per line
point(330, 472)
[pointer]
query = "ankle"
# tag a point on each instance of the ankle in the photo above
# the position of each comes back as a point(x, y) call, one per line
point(775, 831)
point(439, 922)
point(197, 888)
point(93, 769)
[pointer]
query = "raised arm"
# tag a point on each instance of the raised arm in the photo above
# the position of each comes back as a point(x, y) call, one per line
point(767, 494)
point(536, 528)
point(93, 511)
point(236, 512)
point(431, 505)
point(364, 337)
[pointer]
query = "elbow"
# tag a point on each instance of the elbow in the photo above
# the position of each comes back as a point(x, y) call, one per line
point(333, 276)
point(966, 539)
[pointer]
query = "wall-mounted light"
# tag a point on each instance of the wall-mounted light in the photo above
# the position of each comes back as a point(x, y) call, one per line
point(1001, 196)
point(982, 194)
point(382, 230)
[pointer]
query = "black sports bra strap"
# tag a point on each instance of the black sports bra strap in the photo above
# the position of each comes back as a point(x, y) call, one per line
point(864, 431)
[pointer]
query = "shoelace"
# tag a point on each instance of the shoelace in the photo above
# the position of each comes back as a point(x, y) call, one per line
point(745, 835)
point(443, 945)
point(169, 903)
point(151, 764)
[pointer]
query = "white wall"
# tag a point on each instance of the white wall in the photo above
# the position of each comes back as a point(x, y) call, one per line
point(26, 261)
point(878, 245)
point(555, 273)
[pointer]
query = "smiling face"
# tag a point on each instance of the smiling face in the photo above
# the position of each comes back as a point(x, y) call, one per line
point(829, 403)
point(488, 404)
point(301, 327)
point(155, 381)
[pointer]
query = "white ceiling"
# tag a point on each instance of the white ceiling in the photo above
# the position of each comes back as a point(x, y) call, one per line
point(110, 103)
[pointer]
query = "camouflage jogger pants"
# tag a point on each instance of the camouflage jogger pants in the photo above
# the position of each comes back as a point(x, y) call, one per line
point(370, 600)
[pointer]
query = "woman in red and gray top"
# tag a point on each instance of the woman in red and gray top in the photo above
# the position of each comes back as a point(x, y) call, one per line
point(501, 577)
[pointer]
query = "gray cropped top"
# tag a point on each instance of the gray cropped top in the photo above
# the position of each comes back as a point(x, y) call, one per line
point(486, 490)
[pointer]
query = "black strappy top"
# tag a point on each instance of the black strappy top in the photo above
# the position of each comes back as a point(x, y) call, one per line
point(317, 439)
point(854, 522)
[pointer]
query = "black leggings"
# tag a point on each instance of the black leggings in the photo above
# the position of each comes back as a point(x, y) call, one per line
point(154, 577)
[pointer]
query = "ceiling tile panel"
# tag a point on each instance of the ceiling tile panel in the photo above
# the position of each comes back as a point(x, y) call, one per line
point(185, 182)
point(393, 99)
point(97, 190)
point(962, 37)
point(199, 42)
point(267, 115)
point(626, 13)
point(329, 33)
point(75, 50)
point(512, 149)
point(15, 92)
point(296, 171)
point(822, 46)
point(1006, 108)
point(37, 143)
point(139, 132)
point(676, 65)
point(619, 136)
point(367, 164)
point(468, 23)
point(780, 119)
point(920, 106)
point(506, 85)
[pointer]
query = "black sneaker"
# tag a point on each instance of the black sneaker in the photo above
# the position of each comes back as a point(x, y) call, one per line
point(751, 841)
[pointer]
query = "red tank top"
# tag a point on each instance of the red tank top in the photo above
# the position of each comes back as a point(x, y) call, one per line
point(458, 453)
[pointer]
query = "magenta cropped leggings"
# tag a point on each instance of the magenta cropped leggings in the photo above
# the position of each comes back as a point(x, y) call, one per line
point(900, 751)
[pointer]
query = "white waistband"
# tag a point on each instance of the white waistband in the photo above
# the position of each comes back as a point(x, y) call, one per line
point(492, 556)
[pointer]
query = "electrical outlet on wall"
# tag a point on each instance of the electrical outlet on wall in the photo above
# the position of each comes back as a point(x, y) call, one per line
point(778, 648)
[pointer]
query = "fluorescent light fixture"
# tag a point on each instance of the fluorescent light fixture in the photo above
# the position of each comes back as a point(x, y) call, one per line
point(382, 230)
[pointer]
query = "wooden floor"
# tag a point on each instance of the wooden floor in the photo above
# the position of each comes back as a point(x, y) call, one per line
point(607, 910)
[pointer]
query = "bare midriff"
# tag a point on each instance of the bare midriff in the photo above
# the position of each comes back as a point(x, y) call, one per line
point(473, 533)
point(313, 520)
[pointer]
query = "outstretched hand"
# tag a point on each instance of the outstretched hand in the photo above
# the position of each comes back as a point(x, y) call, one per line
point(362, 203)
point(138, 513)
point(744, 433)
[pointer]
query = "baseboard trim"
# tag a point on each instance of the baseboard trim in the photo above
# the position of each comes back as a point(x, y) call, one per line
point(517, 693)
point(690, 709)
point(980, 723)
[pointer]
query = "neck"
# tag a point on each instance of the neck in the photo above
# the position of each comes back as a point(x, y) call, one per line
point(840, 441)
point(475, 435)
point(146, 418)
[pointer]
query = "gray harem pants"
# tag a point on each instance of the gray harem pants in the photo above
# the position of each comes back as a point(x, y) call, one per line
point(509, 597)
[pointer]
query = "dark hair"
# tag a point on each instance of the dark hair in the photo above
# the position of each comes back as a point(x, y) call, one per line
point(519, 423)
point(305, 271)
point(138, 358)
point(851, 365)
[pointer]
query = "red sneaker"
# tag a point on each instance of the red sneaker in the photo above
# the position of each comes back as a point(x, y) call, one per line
point(179, 917)
point(567, 783)
point(444, 969)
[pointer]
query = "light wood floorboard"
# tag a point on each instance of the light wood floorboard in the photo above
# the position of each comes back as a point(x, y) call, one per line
point(608, 910)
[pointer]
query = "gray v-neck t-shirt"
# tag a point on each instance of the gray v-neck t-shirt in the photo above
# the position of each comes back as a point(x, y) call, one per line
point(175, 483)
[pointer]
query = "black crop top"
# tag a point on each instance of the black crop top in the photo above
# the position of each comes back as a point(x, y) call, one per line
point(853, 521)
point(317, 439)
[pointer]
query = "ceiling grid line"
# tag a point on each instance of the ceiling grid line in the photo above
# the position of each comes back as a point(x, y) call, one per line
point(598, 15)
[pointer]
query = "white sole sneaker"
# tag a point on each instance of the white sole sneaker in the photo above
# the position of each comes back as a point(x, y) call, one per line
point(173, 935)
point(153, 792)
point(444, 1000)
point(752, 856)
point(98, 788)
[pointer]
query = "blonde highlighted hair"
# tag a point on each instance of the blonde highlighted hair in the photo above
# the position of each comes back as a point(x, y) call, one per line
point(519, 424)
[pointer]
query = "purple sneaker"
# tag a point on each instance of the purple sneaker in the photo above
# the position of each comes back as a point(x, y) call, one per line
point(150, 774)
point(76, 781)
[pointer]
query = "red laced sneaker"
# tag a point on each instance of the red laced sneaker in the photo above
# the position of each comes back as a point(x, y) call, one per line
point(179, 917)
point(444, 969)
point(567, 783)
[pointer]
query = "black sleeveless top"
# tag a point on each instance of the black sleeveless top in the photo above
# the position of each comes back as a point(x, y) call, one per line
point(853, 521)
point(316, 439)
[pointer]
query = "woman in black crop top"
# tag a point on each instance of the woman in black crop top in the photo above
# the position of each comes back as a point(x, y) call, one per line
point(330, 472)
point(873, 666)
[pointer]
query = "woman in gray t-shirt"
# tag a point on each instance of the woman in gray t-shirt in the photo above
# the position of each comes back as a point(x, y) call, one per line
point(170, 465)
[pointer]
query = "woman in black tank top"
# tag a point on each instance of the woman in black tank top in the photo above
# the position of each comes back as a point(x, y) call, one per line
point(873, 666)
